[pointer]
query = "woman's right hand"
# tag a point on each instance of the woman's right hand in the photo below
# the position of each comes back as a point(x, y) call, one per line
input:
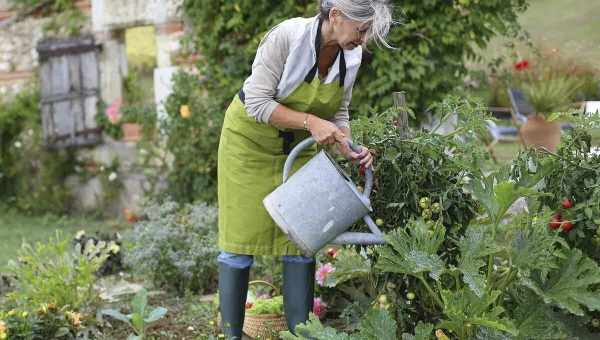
point(324, 131)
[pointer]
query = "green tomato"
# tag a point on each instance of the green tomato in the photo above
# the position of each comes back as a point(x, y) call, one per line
point(426, 214)
point(595, 323)
point(382, 299)
point(436, 208)
point(379, 222)
point(410, 295)
point(424, 202)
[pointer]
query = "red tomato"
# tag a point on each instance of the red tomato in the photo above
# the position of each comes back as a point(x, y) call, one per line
point(555, 222)
point(566, 203)
point(567, 226)
point(248, 305)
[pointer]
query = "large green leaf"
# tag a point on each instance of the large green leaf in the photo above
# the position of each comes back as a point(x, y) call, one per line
point(117, 315)
point(423, 331)
point(155, 314)
point(497, 193)
point(463, 310)
point(571, 286)
point(535, 320)
point(348, 265)
point(413, 250)
point(474, 246)
point(314, 329)
point(140, 301)
point(532, 245)
point(378, 324)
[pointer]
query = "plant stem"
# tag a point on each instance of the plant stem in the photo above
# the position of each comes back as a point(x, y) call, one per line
point(431, 292)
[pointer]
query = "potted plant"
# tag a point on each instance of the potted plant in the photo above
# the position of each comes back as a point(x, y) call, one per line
point(547, 92)
point(137, 121)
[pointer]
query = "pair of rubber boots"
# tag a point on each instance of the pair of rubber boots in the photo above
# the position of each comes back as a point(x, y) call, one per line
point(298, 294)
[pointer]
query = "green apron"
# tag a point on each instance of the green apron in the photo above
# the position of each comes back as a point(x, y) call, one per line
point(250, 165)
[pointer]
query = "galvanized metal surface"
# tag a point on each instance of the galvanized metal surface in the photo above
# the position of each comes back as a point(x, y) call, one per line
point(320, 202)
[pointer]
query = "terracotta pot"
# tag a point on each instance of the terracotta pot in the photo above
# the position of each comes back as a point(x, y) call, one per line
point(132, 132)
point(539, 132)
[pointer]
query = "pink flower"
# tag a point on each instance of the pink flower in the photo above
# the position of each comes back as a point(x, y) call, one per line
point(319, 307)
point(322, 273)
point(113, 111)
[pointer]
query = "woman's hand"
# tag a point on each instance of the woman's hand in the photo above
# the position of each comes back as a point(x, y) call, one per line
point(364, 157)
point(324, 131)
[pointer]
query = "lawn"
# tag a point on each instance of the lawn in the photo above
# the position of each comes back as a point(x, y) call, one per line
point(16, 228)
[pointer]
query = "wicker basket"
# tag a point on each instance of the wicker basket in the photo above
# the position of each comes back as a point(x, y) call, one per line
point(265, 326)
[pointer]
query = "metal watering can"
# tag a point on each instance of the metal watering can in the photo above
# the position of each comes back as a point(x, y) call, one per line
point(320, 202)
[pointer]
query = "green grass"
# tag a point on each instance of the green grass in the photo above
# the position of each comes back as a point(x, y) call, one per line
point(16, 228)
point(570, 26)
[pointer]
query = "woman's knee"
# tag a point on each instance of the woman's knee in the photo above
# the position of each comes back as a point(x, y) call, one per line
point(240, 261)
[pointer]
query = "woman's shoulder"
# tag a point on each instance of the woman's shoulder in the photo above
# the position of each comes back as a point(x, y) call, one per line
point(295, 27)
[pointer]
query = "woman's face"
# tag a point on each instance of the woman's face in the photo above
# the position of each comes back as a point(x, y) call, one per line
point(348, 33)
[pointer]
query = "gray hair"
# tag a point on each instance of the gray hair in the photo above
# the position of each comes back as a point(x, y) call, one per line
point(377, 11)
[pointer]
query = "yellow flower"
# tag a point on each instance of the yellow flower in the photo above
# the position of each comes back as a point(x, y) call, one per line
point(440, 335)
point(74, 317)
point(184, 111)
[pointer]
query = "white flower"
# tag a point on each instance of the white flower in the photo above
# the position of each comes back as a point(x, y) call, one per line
point(101, 167)
point(112, 176)
point(79, 234)
point(18, 144)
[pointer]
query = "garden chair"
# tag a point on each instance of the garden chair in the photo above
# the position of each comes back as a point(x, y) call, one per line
point(520, 106)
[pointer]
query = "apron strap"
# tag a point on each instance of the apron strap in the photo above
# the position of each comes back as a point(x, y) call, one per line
point(313, 71)
point(288, 139)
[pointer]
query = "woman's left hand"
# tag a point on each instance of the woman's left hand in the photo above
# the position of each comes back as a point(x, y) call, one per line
point(364, 157)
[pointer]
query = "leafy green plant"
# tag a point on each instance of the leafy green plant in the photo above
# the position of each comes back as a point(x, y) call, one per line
point(55, 272)
point(570, 177)
point(377, 324)
point(551, 92)
point(141, 316)
point(66, 20)
point(47, 322)
point(192, 140)
point(273, 305)
point(176, 245)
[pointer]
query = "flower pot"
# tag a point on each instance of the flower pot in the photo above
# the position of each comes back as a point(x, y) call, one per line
point(538, 132)
point(132, 132)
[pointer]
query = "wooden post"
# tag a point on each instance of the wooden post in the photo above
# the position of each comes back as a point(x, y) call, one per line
point(402, 118)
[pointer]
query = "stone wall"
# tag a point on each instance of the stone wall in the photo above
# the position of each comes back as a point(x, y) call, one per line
point(18, 40)
point(108, 20)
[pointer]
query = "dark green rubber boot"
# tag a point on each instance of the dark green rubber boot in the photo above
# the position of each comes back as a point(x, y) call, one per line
point(233, 288)
point(298, 292)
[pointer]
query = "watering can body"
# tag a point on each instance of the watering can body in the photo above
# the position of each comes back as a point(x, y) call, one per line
point(316, 205)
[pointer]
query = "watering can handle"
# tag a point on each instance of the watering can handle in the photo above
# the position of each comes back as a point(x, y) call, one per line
point(376, 236)
point(287, 167)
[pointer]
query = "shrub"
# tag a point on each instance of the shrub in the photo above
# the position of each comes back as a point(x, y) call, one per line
point(176, 246)
point(192, 139)
point(55, 273)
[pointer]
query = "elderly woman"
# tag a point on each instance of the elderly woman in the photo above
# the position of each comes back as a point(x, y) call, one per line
point(301, 85)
